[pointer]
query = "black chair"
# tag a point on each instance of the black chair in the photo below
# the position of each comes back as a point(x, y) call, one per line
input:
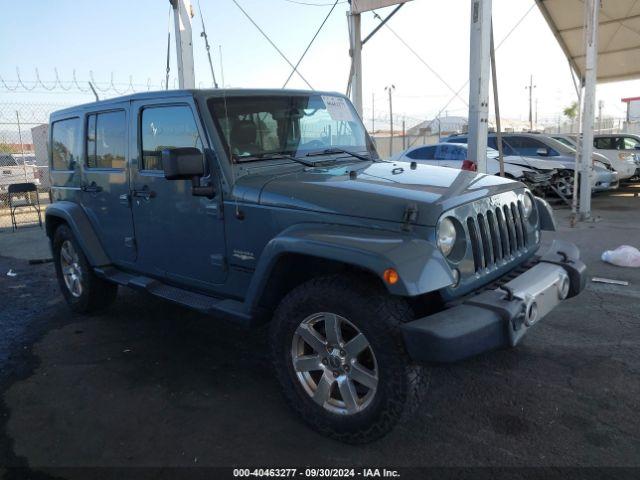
point(23, 189)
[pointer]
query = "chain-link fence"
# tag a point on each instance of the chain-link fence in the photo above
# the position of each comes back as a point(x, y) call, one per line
point(23, 160)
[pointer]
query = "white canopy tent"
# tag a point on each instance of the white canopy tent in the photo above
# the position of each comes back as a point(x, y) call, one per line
point(601, 39)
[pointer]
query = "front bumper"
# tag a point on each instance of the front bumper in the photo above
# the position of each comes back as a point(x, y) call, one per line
point(501, 317)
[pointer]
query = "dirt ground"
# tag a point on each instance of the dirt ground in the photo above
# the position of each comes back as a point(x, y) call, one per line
point(150, 384)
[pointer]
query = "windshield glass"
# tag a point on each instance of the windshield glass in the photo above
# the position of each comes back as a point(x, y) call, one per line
point(491, 153)
point(259, 127)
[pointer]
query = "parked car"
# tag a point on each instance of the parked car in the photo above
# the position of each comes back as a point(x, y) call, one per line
point(13, 169)
point(536, 175)
point(622, 150)
point(533, 145)
point(273, 206)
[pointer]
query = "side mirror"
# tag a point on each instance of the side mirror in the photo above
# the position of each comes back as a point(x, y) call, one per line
point(543, 152)
point(182, 163)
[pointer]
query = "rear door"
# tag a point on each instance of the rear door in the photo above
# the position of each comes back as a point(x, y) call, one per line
point(105, 181)
point(180, 236)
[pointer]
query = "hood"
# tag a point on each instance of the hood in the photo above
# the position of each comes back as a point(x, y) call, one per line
point(381, 191)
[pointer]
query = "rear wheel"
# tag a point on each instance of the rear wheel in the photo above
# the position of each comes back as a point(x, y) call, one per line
point(340, 359)
point(83, 290)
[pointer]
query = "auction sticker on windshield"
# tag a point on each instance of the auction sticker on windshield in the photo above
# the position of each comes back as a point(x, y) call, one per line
point(338, 108)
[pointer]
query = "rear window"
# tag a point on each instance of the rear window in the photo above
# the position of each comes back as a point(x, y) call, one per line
point(424, 153)
point(64, 149)
point(604, 143)
point(106, 140)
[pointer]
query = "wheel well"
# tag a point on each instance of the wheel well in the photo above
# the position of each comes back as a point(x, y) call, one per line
point(292, 270)
point(52, 223)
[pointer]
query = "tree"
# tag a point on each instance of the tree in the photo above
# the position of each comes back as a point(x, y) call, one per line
point(571, 112)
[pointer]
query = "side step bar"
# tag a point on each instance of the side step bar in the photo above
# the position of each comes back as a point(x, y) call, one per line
point(229, 309)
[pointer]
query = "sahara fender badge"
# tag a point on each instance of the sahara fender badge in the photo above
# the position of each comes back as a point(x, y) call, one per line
point(243, 255)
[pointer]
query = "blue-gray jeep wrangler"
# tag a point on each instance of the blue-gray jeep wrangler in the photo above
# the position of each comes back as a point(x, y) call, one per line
point(273, 206)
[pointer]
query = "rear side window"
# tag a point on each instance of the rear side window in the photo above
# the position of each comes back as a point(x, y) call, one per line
point(106, 140)
point(166, 128)
point(604, 143)
point(64, 149)
point(424, 153)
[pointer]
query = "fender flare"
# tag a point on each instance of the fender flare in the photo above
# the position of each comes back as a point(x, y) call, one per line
point(74, 216)
point(420, 265)
point(545, 212)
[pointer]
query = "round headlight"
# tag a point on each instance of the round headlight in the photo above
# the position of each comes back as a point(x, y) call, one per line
point(446, 236)
point(527, 205)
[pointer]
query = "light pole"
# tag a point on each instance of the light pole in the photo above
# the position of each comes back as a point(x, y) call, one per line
point(530, 87)
point(390, 90)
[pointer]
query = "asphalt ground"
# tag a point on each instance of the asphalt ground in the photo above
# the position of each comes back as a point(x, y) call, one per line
point(151, 385)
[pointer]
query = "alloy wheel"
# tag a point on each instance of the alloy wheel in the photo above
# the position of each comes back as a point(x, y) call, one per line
point(334, 363)
point(71, 271)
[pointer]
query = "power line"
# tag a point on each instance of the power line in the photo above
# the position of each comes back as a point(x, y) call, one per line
point(310, 43)
point(422, 60)
point(271, 42)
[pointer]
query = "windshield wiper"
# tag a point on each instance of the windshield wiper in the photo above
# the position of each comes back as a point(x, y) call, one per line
point(329, 151)
point(275, 156)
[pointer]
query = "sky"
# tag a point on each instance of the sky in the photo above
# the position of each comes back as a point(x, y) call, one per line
point(119, 39)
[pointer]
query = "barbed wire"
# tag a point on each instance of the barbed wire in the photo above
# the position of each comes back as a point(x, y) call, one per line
point(58, 84)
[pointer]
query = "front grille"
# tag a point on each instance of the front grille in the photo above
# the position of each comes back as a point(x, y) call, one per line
point(497, 234)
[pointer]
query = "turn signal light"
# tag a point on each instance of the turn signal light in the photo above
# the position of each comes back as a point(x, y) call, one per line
point(390, 276)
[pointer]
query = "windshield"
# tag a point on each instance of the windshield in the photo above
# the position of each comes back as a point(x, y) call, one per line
point(491, 153)
point(259, 127)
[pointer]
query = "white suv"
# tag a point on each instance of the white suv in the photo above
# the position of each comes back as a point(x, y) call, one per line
point(622, 150)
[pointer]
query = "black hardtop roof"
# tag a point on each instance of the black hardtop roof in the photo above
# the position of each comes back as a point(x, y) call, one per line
point(208, 93)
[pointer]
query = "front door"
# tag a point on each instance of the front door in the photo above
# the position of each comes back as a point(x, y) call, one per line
point(179, 236)
point(105, 182)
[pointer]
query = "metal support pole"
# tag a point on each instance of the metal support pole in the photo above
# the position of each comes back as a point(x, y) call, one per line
point(588, 112)
point(24, 164)
point(356, 60)
point(404, 135)
point(184, 46)
point(496, 105)
point(480, 39)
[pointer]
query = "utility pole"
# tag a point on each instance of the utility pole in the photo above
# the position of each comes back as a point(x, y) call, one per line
point(600, 105)
point(184, 47)
point(404, 135)
point(390, 89)
point(536, 123)
point(373, 113)
point(530, 87)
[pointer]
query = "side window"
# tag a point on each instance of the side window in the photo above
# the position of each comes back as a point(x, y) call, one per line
point(166, 128)
point(424, 153)
point(603, 143)
point(106, 140)
point(528, 146)
point(64, 136)
point(629, 143)
point(459, 154)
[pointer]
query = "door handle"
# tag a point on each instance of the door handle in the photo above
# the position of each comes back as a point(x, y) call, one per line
point(144, 193)
point(91, 188)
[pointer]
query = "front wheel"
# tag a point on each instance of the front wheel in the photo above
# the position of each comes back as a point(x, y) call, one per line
point(83, 290)
point(339, 357)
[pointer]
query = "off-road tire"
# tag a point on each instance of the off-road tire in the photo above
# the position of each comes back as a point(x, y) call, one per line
point(378, 316)
point(97, 294)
